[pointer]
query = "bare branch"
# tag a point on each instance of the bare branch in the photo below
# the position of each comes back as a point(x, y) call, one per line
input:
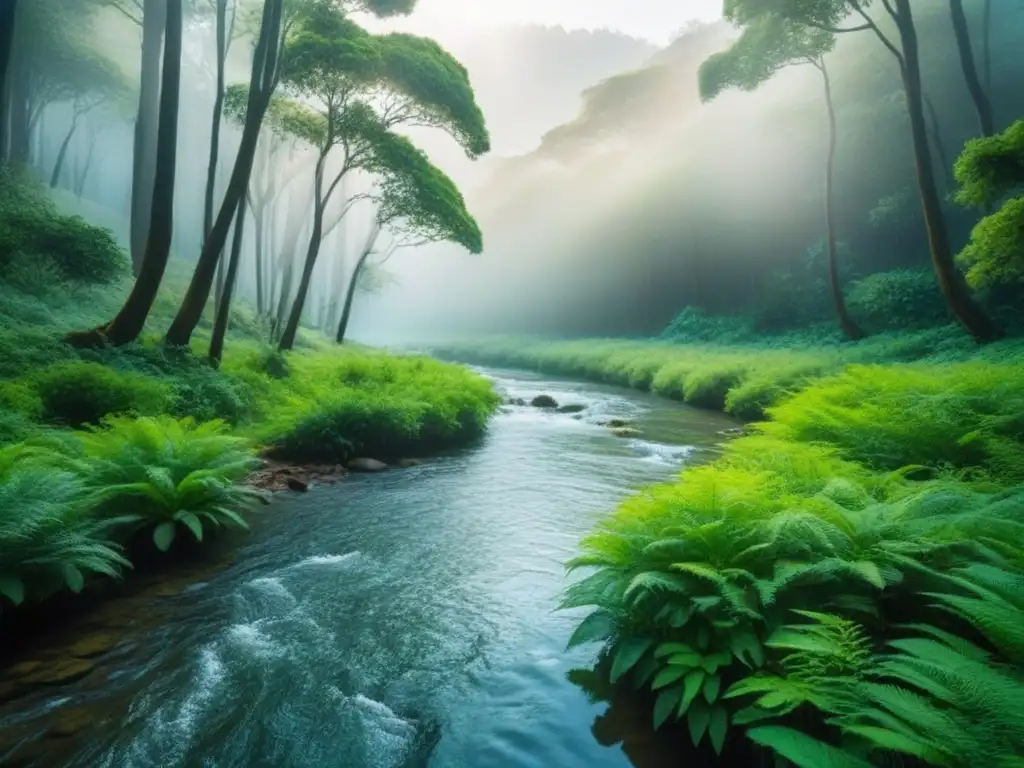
point(878, 32)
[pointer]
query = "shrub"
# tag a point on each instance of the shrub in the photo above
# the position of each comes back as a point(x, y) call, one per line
point(898, 300)
point(79, 393)
point(693, 324)
point(47, 540)
point(32, 229)
point(164, 473)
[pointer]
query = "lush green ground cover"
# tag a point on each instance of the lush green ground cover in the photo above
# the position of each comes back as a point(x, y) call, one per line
point(108, 453)
point(845, 585)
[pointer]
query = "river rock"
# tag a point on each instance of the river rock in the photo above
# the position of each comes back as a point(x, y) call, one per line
point(544, 401)
point(70, 722)
point(572, 408)
point(23, 668)
point(626, 432)
point(60, 672)
point(294, 484)
point(93, 645)
point(409, 463)
point(616, 423)
point(367, 465)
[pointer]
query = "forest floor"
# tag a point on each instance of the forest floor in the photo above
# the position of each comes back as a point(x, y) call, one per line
point(868, 522)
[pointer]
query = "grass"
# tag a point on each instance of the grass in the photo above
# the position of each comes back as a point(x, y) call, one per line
point(845, 584)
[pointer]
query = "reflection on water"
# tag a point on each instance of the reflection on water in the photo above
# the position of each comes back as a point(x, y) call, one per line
point(391, 621)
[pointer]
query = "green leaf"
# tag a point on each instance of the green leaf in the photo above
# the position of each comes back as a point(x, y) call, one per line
point(718, 727)
point(744, 643)
point(642, 672)
point(712, 685)
point(698, 718)
point(193, 524)
point(680, 616)
point(685, 659)
point(628, 654)
point(753, 714)
point(714, 661)
point(597, 626)
point(691, 687)
point(163, 535)
point(667, 649)
point(703, 636)
point(802, 750)
point(74, 578)
point(13, 589)
point(667, 701)
point(667, 676)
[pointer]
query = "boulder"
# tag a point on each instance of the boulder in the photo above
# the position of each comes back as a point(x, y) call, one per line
point(544, 401)
point(294, 484)
point(627, 432)
point(93, 645)
point(367, 465)
point(616, 423)
point(572, 408)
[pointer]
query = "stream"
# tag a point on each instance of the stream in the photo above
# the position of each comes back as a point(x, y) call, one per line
point(400, 620)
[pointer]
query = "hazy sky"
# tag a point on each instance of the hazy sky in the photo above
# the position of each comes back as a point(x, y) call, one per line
point(656, 20)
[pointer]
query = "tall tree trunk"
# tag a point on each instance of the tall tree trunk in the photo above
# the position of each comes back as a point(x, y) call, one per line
point(291, 329)
point(218, 111)
point(986, 44)
point(951, 282)
point(259, 216)
point(940, 145)
point(982, 105)
point(220, 323)
point(129, 322)
point(846, 324)
point(350, 296)
point(261, 88)
point(20, 125)
point(147, 120)
point(81, 175)
point(62, 154)
point(7, 17)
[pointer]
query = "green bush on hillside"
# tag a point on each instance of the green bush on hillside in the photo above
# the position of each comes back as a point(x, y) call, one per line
point(898, 300)
point(80, 393)
point(31, 230)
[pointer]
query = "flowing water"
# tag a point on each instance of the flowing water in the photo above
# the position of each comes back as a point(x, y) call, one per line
point(400, 620)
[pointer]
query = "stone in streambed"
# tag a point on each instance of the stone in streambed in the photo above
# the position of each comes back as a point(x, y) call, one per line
point(615, 423)
point(60, 672)
point(572, 408)
point(367, 465)
point(409, 463)
point(71, 722)
point(626, 432)
point(93, 645)
point(544, 401)
point(296, 485)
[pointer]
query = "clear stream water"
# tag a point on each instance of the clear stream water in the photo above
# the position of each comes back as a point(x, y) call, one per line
point(401, 620)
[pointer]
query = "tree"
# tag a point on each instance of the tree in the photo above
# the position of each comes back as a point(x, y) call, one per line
point(128, 323)
point(222, 311)
point(224, 30)
point(768, 44)
point(988, 170)
point(829, 16)
point(8, 14)
point(417, 204)
point(979, 96)
point(361, 86)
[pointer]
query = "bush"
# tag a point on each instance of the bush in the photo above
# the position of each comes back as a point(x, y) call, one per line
point(898, 300)
point(164, 474)
point(693, 324)
point(47, 539)
point(31, 229)
point(79, 393)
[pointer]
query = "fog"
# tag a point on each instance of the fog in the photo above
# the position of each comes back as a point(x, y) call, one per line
point(611, 195)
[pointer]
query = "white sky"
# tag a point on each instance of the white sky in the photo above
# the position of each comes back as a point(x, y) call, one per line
point(656, 20)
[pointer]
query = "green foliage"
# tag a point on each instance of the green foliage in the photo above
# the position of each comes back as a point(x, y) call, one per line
point(989, 168)
point(996, 252)
point(167, 474)
point(79, 393)
point(47, 539)
point(33, 233)
point(694, 324)
point(898, 300)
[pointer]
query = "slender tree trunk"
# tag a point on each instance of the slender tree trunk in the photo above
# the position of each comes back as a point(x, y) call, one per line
point(350, 296)
point(8, 11)
point(129, 322)
point(80, 176)
point(846, 323)
point(220, 323)
point(262, 84)
point(20, 125)
point(951, 282)
point(986, 44)
point(218, 111)
point(62, 154)
point(940, 146)
point(259, 213)
point(982, 105)
point(146, 127)
point(291, 329)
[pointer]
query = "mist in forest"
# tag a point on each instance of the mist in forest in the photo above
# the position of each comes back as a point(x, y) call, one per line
point(610, 197)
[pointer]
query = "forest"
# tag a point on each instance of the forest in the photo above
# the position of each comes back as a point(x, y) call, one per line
point(756, 296)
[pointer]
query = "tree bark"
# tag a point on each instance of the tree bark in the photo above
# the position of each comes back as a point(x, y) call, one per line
point(129, 322)
point(951, 282)
point(849, 328)
point(20, 120)
point(261, 88)
point(986, 44)
point(7, 17)
point(259, 216)
point(220, 323)
point(81, 175)
point(62, 154)
point(291, 329)
point(940, 146)
point(350, 295)
point(218, 111)
point(147, 121)
point(982, 105)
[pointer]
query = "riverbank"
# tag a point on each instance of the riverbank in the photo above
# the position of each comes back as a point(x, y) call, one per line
point(845, 576)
